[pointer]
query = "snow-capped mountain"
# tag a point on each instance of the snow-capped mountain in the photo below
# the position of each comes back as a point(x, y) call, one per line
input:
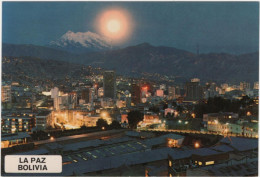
point(81, 42)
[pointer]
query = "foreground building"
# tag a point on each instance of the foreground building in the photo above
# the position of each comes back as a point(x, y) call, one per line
point(136, 154)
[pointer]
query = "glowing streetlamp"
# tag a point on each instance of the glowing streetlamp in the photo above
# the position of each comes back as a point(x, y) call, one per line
point(196, 145)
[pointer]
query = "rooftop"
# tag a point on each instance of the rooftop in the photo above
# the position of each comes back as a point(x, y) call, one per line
point(15, 136)
point(240, 144)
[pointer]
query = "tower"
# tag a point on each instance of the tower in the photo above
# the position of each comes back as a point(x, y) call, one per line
point(109, 84)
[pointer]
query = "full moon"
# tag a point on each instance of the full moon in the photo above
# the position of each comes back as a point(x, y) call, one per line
point(115, 24)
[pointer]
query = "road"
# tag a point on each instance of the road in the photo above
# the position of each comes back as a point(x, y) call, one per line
point(87, 136)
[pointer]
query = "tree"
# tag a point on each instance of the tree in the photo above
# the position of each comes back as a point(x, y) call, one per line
point(179, 109)
point(115, 124)
point(134, 117)
point(101, 123)
point(83, 127)
point(154, 109)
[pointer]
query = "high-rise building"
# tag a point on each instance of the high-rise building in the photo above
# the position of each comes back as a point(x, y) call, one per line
point(159, 93)
point(100, 92)
point(136, 93)
point(91, 95)
point(171, 93)
point(178, 91)
point(128, 98)
point(193, 90)
point(163, 87)
point(85, 95)
point(244, 85)
point(256, 85)
point(109, 84)
point(6, 93)
point(54, 92)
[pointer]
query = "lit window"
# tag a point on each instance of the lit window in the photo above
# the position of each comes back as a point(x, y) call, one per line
point(170, 175)
point(200, 163)
point(210, 163)
point(170, 163)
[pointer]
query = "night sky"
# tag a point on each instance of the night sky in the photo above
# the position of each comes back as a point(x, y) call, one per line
point(231, 27)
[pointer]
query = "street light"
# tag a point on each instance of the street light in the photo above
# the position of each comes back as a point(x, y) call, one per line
point(196, 145)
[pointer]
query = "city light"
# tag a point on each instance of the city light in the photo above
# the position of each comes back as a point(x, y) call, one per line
point(104, 114)
point(52, 138)
point(186, 122)
point(180, 121)
point(103, 128)
point(196, 145)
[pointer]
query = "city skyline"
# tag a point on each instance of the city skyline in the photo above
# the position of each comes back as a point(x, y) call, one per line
point(102, 97)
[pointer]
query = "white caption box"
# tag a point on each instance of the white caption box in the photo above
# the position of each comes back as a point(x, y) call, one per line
point(33, 164)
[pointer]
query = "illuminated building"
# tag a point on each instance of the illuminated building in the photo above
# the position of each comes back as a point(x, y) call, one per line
point(72, 119)
point(124, 118)
point(18, 123)
point(100, 92)
point(54, 92)
point(91, 96)
point(8, 140)
point(109, 84)
point(128, 98)
point(144, 91)
point(120, 103)
point(218, 116)
point(244, 85)
point(170, 111)
point(6, 93)
point(171, 93)
point(149, 119)
point(65, 101)
point(163, 87)
point(159, 93)
point(256, 85)
point(211, 91)
point(195, 80)
point(107, 102)
point(194, 91)
point(44, 120)
point(73, 99)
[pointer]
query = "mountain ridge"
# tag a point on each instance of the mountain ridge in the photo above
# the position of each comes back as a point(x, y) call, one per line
point(155, 59)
